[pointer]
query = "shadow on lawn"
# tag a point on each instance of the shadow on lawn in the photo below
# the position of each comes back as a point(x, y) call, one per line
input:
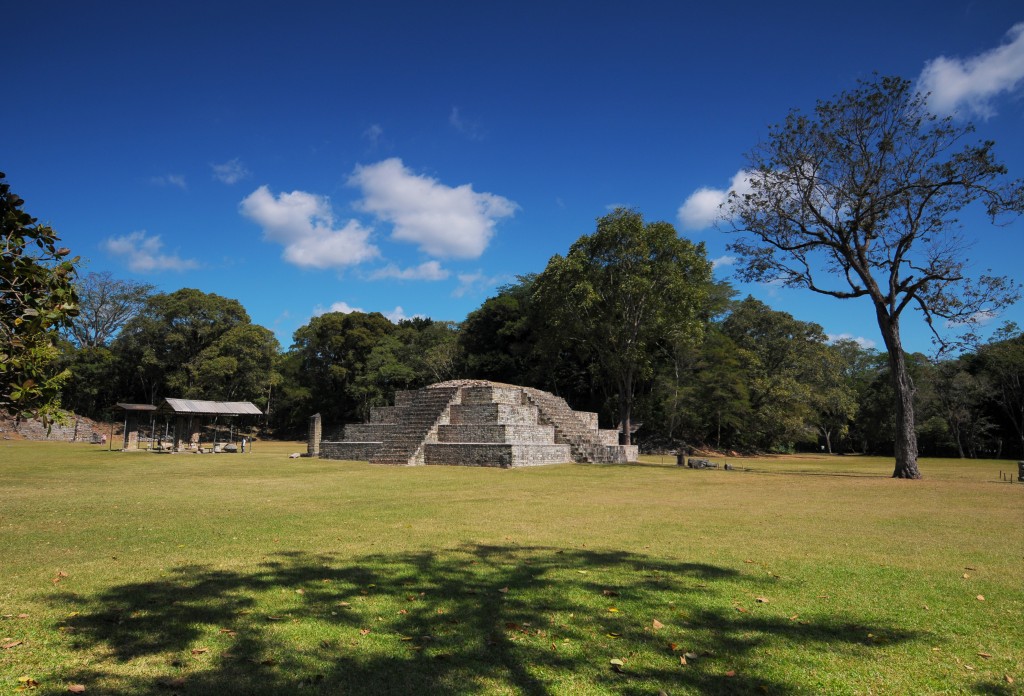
point(469, 620)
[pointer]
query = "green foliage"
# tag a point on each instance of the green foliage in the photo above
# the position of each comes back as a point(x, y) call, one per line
point(191, 344)
point(37, 300)
point(622, 293)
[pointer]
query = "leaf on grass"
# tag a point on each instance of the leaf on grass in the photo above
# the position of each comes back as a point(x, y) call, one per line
point(657, 624)
point(613, 610)
point(614, 635)
point(749, 561)
point(794, 617)
point(300, 591)
point(981, 598)
point(582, 572)
point(76, 688)
point(682, 659)
point(503, 590)
point(22, 616)
point(731, 673)
point(275, 618)
point(609, 593)
point(616, 664)
point(672, 647)
point(985, 655)
point(403, 611)
point(363, 631)
point(13, 643)
point(199, 651)
point(761, 600)
point(969, 568)
point(742, 610)
point(1008, 678)
point(966, 575)
point(343, 604)
point(691, 656)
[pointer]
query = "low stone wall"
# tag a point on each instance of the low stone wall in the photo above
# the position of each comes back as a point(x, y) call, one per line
point(618, 454)
point(503, 456)
point(366, 432)
point(351, 451)
point(464, 414)
point(477, 432)
point(77, 430)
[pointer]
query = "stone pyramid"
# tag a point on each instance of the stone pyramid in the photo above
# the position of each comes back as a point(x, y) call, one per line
point(477, 423)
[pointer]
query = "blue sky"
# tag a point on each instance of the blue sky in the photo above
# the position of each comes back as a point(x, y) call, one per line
point(409, 157)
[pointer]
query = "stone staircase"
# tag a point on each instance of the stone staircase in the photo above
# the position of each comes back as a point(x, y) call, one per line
point(416, 425)
point(579, 430)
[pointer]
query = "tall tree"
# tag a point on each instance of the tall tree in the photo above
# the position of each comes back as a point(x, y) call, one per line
point(622, 291)
point(1001, 361)
point(106, 304)
point(37, 300)
point(164, 344)
point(861, 200)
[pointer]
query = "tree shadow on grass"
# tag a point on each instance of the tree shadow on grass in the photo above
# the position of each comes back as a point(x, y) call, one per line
point(474, 619)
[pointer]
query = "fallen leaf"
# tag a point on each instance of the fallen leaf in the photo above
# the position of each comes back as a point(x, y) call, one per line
point(13, 643)
point(741, 610)
point(682, 659)
point(613, 610)
point(657, 624)
point(582, 572)
point(363, 631)
point(22, 616)
point(76, 688)
point(503, 590)
point(199, 651)
point(731, 673)
point(969, 667)
point(966, 575)
point(300, 591)
point(761, 600)
point(690, 656)
point(609, 593)
point(969, 568)
point(403, 611)
point(794, 617)
point(1008, 678)
point(748, 561)
point(616, 664)
point(984, 654)
point(614, 635)
point(981, 598)
point(275, 618)
point(343, 604)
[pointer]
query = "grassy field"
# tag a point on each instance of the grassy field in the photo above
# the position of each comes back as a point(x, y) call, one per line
point(134, 573)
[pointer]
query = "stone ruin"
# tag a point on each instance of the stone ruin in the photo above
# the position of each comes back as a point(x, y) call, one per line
point(474, 423)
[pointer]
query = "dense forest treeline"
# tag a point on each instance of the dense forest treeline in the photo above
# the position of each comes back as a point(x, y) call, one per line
point(740, 376)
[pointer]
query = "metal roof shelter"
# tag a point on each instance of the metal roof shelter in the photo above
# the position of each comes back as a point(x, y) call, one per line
point(208, 408)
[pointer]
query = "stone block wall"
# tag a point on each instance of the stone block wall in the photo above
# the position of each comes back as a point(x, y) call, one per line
point(351, 451)
point(501, 455)
point(479, 432)
point(465, 414)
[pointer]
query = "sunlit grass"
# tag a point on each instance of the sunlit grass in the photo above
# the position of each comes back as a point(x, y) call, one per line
point(263, 574)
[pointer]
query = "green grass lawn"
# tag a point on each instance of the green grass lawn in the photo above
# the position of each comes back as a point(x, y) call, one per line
point(135, 573)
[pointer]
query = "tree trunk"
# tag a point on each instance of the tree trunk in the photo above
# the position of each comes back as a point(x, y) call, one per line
point(903, 388)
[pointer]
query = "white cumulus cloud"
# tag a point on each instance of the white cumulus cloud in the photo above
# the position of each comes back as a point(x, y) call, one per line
point(398, 314)
point(145, 253)
point(428, 270)
point(230, 172)
point(444, 221)
point(865, 343)
point(703, 208)
point(343, 307)
point(970, 84)
point(476, 282)
point(721, 261)
point(304, 224)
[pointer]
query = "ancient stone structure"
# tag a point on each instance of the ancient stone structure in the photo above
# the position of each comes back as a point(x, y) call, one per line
point(477, 423)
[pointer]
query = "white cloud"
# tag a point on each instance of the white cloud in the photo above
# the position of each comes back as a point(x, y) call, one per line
point(475, 283)
point(970, 84)
point(428, 270)
point(398, 314)
point(471, 129)
point(704, 207)
point(374, 133)
point(176, 180)
point(721, 261)
point(304, 224)
point(445, 222)
point(230, 172)
point(144, 253)
point(342, 307)
point(865, 343)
